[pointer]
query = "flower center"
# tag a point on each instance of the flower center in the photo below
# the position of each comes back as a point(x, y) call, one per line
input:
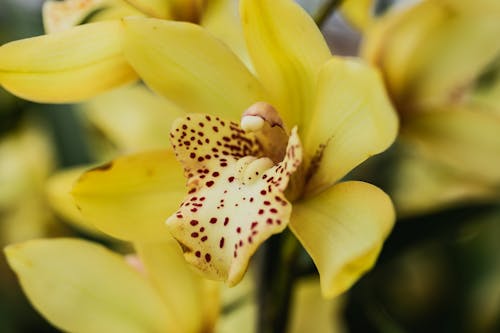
point(264, 121)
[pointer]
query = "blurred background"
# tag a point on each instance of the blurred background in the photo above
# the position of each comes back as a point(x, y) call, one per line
point(439, 270)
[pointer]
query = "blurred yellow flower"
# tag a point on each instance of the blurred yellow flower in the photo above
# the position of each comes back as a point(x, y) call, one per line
point(80, 286)
point(339, 106)
point(26, 160)
point(434, 56)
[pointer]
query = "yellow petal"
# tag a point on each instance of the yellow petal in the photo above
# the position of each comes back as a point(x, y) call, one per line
point(235, 200)
point(241, 307)
point(343, 230)
point(179, 10)
point(62, 15)
point(187, 10)
point(420, 185)
point(179, 286)
point(353, 119)
point(187, 65)
point(221, 18)
point(131, 197)
point(287, 50)
point(133, 118)
point(210, 304)
point(394, 39)
point(26, 159)
point(467, 140)
point(486, 94)
point(83, 287)
point(155, 8)
point(59, 188)
point(432, 52)
point(69, 66)
point(455, 56)
point(311, 312)
point(358, 12)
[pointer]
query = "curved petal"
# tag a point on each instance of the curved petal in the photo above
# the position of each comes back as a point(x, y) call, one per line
point(311, 312)
point(69, 66)
point(434, 51)
point(235, 200)
point(358, 12)
point(62, 15)
point(420, 185)
point(455, 54)
point(467, 140)
point(187, 65)
point(353, 119)
point(155, 8)
point(187, 10)
point(83, 287)
point(179, 10)
point(287, 50)
point(58, 189)
point(343, 230)
point(393, 40)
point(133, 118)
point(486, 93)
point(131, 197)
point(221, 18)
point(179, 286)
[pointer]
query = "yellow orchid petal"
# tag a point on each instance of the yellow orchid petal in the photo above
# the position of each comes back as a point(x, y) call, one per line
point(210, 303)
point(131, 197)
point(343, 230)
point(59, 188)
point(155, 8)
point(287, 50)
point(358, 12)
point(179, 10)
point(221, 18)
point(179, 286)
point(240, 318)
point(486, 93)
point(69, 66)
point(133, 118)
point(395, 39)
point(187, 10)
point(467, 140)
point(83, 287)
point(184, 63)
point(457, 53)
point(311, 312)
point(420, 185)
point(62, 15)
point(432, 52)
point(235, 199)
point(353, 119)
point(26, 159)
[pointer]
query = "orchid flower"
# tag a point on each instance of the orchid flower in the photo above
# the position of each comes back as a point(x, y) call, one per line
point(310, 118)
point(434, 56)
point(82, 55)
point(80, 286)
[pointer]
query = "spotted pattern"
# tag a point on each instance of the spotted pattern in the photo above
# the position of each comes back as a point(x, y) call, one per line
point(235, 197)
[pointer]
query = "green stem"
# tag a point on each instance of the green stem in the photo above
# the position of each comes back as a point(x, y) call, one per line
point(275, 282)
point(326, 11)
